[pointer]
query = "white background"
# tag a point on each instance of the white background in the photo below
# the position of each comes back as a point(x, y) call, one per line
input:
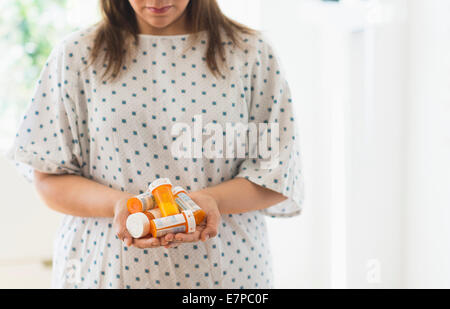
point(370, 80)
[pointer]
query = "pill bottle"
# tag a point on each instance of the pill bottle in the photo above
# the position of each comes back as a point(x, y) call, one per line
point(185, 202)
point(141, 203)
point(138, 224)
point(162, 192)
point(180, 223)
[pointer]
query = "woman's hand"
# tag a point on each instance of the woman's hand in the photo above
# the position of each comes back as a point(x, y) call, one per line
point(207, 229)
point(120, 219)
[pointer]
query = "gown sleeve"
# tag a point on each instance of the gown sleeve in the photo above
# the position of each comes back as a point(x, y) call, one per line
point(271, 104)
point(48, 139)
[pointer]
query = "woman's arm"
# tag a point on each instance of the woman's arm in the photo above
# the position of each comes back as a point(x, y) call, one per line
point(238, 195)
point(76, 195)
point(241, 195)
point(79, 196)
point(82, 197)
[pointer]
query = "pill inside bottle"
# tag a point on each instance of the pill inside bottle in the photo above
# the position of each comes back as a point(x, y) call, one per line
point(161, 190)
point(185, 202)
point(141, 203)
point(138, 224)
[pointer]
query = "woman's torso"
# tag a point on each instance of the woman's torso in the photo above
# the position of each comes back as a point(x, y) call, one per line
point(125, 128)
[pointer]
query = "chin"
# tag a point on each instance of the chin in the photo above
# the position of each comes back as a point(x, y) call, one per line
point(158, 23)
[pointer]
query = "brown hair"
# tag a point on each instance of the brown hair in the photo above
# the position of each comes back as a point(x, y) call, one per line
point(118, 31)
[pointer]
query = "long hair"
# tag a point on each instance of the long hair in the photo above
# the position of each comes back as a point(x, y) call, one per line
point(118, 32)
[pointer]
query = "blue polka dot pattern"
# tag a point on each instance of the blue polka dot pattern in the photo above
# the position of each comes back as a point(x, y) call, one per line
point(118, 133)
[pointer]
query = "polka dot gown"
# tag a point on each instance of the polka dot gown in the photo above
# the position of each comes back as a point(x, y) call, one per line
point(118, 133)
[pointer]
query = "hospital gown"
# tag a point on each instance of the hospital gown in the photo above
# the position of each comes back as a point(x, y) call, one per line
point(120, 133)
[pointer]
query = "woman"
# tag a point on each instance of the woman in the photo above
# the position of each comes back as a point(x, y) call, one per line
point(101, 125)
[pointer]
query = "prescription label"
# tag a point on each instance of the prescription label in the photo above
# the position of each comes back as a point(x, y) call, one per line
point(169, 221)
point(187, 202)
point(146, 200)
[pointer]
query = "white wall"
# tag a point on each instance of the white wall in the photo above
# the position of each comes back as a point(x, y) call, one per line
point(27, 229)
point(348, 79)
point(428, 205)
point(300, 260)
point(376, 172)
point(27, 226)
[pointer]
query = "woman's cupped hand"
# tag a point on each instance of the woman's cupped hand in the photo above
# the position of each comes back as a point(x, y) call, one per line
point(204, 231)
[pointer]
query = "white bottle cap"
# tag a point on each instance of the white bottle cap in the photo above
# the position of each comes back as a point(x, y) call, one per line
point(138, 225)
point(191, 225)
point(158, 182)
point(177, 190)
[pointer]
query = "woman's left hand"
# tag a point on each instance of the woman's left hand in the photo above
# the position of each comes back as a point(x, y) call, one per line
point(206, 230)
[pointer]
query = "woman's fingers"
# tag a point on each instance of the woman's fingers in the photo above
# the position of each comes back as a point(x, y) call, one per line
point(169, 237)
point(172, 245)
point(144, 243)
point(208, 203)
point(164, 242)
point(210, 231)
point(167, 241)
point(120, 217)
point(127, 239)
point(125, 236)
point(121, 232)
point(192, 237)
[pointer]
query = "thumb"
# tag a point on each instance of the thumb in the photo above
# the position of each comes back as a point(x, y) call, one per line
point(127, 239)
point(212, 222)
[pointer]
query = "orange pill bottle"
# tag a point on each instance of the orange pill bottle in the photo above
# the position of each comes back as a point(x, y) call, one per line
point(141, 203)
point(184, 202)
point(180, 223)
point(161, 190)
point(138, 224)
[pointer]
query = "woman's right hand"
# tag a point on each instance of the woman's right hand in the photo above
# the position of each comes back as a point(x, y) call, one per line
point(120, 219)
point(121, 214)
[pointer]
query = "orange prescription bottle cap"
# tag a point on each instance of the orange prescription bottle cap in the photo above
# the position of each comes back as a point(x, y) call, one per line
point(177, 190)
point(138, 225)
point(159, 182)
